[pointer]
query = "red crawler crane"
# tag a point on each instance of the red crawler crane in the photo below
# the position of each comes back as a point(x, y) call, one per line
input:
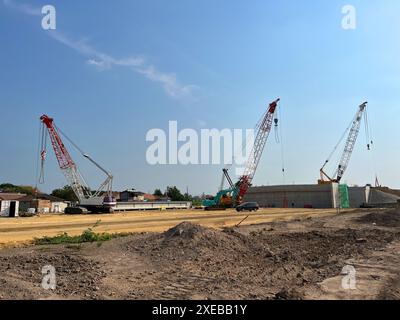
point(234, 195)
point(98, 201)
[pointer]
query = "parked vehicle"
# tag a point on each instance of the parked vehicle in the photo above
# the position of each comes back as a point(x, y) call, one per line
point(248, 206)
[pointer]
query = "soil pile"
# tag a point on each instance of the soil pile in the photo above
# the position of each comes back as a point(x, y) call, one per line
point(383, 219)
point(75, 276)
point(285, 263)
point(188, 261)
point(188, 242)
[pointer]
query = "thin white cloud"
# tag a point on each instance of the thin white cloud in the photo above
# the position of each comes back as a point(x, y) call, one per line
point(169, 82)
point(138, 64)
point(102, 61)
point(97, 63)
point(23, 7)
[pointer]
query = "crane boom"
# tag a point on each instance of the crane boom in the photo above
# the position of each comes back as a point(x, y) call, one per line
point(350, 143)
point(259, 144)
point(78, 184)
point(348, 149)
point(65, 162)
point(234, 195)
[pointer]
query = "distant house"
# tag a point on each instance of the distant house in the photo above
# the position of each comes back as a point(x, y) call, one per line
point(9, 204)
point(131, 195)
point(43, 203)
point(150, 197)
point(116, 195)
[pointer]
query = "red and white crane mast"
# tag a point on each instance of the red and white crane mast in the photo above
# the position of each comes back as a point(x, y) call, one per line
point(264, 129)
point(85, 196)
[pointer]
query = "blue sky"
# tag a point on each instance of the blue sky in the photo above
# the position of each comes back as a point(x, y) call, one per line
point(113, 70)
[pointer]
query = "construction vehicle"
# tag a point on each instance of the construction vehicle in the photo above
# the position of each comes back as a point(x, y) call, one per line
point(353, 129)
point(100, 201)
point(233, 196)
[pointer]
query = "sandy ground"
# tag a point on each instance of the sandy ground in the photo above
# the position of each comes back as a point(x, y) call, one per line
point(298, 258)
point(20, 230)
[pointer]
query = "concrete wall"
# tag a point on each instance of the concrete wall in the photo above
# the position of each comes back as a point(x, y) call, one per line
point(358, 196)
point(378, 197)
point(297, 196)
point(300, 196)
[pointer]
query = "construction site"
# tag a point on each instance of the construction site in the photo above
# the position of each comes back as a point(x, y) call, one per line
point(299, 243)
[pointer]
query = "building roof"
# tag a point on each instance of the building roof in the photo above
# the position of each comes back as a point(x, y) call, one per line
point(42, 196)
point(11, 196)
point(150, 197)
point(134, 192)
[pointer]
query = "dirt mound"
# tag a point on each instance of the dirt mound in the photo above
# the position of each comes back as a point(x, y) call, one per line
point(289, 294)
point(326, 249)
point(286, 262)
point(383, 219)
point(187, 242)
point(75, 276)
point(186, 230)
point(391, 290)
point(236, 265)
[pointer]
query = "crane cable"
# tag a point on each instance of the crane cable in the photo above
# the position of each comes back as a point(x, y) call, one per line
point(370, 146)
point(38, 172)
point(338, 144)
point(281, 141)
point(246, 141)
point(367, 130)
point(42, 152)
point(86, 187)
point(69, 140)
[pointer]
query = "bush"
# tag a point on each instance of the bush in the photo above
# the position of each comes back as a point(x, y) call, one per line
point(87, 236)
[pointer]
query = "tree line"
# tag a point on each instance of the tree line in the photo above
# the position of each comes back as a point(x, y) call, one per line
point(66, 193)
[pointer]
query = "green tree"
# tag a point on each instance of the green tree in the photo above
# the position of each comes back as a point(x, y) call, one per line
point(175, 194)
point(196, 201)
point(187, 197)
point(11, 188)
point(158, 193)
point(65, 193)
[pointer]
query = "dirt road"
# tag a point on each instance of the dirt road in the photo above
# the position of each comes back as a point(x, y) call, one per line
point(20, 230)
point(301, 258)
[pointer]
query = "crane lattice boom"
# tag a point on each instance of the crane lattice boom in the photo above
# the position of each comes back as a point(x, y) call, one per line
point(233, 196)
point(259, 144)
point(348, 149)
point(350, 143)
point(71, 172)
point(65, 162)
